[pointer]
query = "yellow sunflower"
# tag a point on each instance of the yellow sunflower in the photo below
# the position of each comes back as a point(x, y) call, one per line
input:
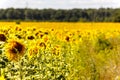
point(56, 50)
point(33, 51)
point(14, 50)
point(41, 44)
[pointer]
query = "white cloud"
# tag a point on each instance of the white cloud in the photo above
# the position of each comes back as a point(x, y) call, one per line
point(59, 3)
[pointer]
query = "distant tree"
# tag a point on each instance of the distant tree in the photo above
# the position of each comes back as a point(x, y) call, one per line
point(116, 15)
point(117, 19)
point(59, 15)
point(10, 13)
point(2, 14)
point(69, 15)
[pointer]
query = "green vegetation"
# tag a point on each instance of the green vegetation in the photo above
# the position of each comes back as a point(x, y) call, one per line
point(60, 15)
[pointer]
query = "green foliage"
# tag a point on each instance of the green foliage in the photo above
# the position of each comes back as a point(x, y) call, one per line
point(71, 15)
point(103, 43)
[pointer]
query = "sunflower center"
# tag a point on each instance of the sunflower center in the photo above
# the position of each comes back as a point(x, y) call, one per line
point(17, 48)
point(2, 37)
point(14, 50)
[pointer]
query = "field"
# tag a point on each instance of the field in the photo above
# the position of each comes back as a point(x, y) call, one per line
point(59, 51)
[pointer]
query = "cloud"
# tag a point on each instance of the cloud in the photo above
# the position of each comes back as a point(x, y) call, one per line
point(95, 3)
point(66, 4)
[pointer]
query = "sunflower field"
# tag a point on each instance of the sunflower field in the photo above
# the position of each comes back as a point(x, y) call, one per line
point(59, 51)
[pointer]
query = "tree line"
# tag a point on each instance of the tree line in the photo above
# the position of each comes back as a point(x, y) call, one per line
point(61, 15)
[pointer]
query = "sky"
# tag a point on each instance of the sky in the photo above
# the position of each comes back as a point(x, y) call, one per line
point(59, 4)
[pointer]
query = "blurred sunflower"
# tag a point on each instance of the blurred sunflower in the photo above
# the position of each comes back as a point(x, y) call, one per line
point(56, 50)
point(5, 31)
point(17, 28)
point(33, 51)
point(3, 37)
point(67, 38)
point(46, 39)
point(14, 50)
point(41, 45)
point(30, 37)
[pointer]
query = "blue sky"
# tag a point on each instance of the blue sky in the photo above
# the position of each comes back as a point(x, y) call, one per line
point(59, 4)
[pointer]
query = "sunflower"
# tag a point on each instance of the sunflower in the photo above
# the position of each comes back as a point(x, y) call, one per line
point(30, 37)
point(17, 28)
point(56, 50)
point(14, 50)
point(67, 38)
point(3, 37)
point(33, 51)
point(42, 44)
